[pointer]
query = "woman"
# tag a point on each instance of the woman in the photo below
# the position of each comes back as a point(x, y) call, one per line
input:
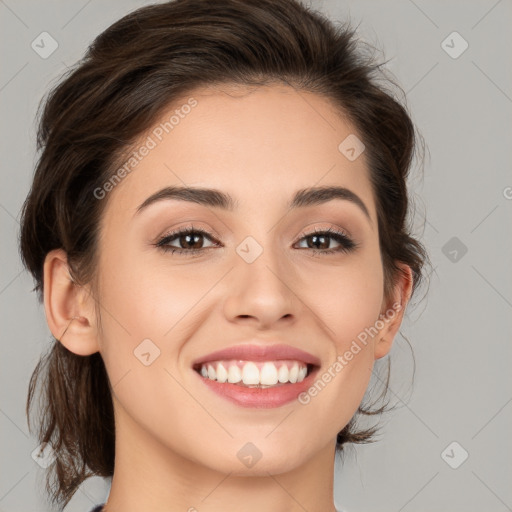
point(217, 229)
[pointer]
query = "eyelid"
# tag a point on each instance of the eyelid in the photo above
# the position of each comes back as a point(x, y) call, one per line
point(188, 227)
point(304, 233)
point(330, 229)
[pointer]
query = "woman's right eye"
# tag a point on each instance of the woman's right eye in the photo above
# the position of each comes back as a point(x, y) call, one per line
point(190, 238)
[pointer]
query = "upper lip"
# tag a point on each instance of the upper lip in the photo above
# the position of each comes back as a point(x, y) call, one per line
point(253, 352)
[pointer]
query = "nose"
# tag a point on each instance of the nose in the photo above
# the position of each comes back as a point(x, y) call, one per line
point(262, 293)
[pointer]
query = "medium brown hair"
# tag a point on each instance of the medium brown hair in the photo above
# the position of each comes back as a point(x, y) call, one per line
point(130, 74)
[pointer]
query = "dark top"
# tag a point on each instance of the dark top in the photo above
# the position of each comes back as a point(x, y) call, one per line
point(99, 508)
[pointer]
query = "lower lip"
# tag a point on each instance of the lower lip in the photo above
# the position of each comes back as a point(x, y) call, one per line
point(262, 398)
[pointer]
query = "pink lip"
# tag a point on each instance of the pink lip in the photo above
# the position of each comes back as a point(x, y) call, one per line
point(260, 353)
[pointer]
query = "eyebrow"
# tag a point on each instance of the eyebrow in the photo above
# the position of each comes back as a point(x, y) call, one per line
point(216, 199)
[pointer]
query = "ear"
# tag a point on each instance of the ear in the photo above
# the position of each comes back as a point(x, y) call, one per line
point(69, 307)
point(393, 310)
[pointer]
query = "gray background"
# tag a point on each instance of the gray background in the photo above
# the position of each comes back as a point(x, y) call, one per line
point(460, 332)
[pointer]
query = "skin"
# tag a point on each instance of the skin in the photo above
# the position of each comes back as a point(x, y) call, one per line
point(176, 441)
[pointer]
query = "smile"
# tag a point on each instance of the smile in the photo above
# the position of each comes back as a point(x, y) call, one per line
point(255, 373)
point(249, 389)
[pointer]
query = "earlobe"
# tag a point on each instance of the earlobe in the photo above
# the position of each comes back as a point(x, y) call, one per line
point(69, 308)
point(393, 311)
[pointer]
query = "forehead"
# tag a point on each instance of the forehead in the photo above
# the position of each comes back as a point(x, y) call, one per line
point(259, 144)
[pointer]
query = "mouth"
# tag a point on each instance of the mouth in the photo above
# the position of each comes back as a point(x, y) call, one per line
point(258, 376)
point(259, 385)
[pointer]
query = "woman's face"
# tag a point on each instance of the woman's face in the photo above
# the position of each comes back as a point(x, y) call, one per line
point(257, 276)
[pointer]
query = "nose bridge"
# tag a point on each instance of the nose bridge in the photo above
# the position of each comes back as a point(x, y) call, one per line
point(260, 286)
point(262, 265)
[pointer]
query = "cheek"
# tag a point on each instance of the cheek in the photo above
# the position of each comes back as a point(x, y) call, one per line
point(144, 309)
point(150, 308)
point(347, 300)
point(347, 297)
point(147, 296)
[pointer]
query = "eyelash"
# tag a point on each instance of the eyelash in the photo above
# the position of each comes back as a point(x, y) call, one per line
point(346, 244)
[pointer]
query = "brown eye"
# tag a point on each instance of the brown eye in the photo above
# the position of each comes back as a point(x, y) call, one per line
point(321, 241)
point(186, 241)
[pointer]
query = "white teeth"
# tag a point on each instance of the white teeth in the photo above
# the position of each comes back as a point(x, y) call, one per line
point(249, 374)
point(211, 372)
point(222, 374)
point(268, 375)
point(283, 374)
point(294, 373)
point(234, 374)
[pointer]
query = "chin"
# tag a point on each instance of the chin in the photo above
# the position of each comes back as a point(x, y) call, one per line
point(259, 457)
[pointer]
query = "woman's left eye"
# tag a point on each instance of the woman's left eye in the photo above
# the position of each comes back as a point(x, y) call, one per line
point(191, 241)
point(319, 241)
